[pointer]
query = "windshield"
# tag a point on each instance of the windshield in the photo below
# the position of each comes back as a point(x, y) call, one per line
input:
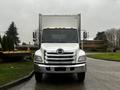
point(60, 36)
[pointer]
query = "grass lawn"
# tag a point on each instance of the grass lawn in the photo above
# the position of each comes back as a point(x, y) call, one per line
point(14, 70)
point(106, 56)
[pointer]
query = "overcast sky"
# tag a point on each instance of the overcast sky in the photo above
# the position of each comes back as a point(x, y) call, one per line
point(97, 15)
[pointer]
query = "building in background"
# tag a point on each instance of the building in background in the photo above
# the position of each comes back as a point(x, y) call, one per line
point(95, 45)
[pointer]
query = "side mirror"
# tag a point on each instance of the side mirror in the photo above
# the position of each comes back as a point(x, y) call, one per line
point(85, 35)
point(34, 36)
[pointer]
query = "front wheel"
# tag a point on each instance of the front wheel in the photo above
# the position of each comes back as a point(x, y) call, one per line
point(81, 76)
point(38, 76)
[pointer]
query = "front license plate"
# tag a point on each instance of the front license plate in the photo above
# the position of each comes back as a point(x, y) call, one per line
point(60, 69)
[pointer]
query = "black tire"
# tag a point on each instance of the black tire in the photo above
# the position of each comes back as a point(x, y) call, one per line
point(81, 76)
point(38, 76)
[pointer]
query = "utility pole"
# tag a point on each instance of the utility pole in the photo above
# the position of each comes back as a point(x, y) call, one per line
point(40, 30)
point(79, 28)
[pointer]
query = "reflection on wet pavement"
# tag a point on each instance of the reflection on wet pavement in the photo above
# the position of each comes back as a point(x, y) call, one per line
point(60, 82)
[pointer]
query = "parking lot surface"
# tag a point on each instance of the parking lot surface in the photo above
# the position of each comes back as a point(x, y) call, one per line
point(101, 75)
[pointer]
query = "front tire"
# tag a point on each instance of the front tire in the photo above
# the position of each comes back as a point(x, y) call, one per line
point(38, 76)
point(81, 76)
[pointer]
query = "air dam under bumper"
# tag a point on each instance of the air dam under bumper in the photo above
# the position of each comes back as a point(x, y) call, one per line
point(60, 68)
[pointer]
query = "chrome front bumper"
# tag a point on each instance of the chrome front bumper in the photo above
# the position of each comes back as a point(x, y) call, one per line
point(77, 68)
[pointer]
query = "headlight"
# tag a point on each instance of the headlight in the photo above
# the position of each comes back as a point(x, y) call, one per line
point(37, 59)
point(82, 59)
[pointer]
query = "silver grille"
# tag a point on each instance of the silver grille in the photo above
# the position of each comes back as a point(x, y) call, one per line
point(56, 58)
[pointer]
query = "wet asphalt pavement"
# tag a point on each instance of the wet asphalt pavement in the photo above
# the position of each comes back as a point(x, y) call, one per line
point(101, 75)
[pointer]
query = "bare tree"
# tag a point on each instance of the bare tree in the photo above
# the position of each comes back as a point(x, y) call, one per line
point(118, 38)
point(113, 37)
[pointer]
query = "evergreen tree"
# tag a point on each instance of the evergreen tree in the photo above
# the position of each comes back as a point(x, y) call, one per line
point(4, 44)
point(12, 36)
point(101, 36)
point(0, 39)
point(0, 43)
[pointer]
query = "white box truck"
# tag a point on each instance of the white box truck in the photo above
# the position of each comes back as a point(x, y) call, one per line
point(59, 41)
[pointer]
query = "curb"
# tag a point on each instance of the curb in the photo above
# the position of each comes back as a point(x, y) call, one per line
point(104, 59)
point(16, 82)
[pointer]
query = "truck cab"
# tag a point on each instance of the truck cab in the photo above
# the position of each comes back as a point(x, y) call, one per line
point(60, 53)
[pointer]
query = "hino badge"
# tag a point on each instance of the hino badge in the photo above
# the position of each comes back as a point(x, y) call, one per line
point(59, 41)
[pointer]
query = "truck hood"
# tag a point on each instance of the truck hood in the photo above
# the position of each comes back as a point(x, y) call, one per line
point(64, 46)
